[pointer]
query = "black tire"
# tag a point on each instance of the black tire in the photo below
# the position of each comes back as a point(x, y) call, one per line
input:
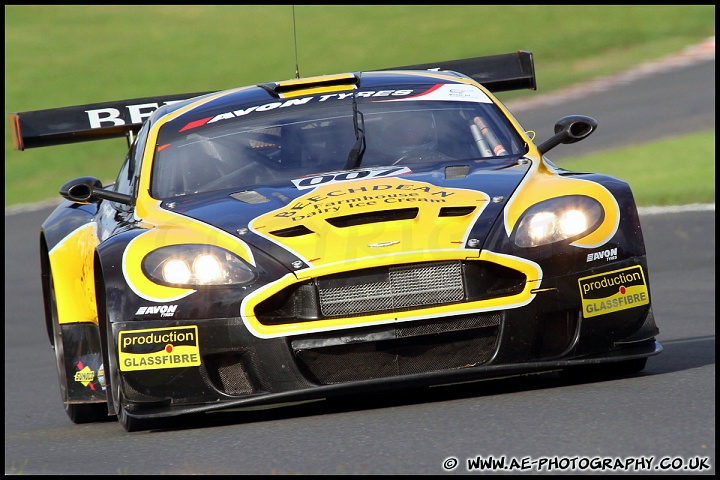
point(114, 381)
point(77, 412)
point(130, 424)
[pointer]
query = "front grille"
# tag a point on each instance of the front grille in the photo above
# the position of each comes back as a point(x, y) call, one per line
point(394, 288)
point(227, 373)
point(404, 287)
point(437, 345)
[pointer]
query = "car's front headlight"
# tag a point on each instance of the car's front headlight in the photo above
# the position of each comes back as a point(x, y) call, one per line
point(196, 266)
point(558, 219)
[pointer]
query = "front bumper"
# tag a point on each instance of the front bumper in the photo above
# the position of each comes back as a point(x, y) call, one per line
point(237, 369)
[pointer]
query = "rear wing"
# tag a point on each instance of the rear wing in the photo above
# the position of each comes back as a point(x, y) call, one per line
point(97, 121)
point(497, 73)
point(100, 121)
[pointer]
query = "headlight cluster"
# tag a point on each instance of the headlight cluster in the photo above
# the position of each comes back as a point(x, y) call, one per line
point(196, 265)
point(558, 219)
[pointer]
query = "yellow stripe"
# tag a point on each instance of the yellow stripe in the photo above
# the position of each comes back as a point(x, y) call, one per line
point(316, 90)
point(543, 183)
point(168, 228)
point(173, 229)
point(313, 80)
point(71, 261)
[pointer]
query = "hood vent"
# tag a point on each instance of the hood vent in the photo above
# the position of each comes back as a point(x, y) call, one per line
point(455, 172)
point(373, 217)
point(296, 231)
point(456, 211)
point(250, 196)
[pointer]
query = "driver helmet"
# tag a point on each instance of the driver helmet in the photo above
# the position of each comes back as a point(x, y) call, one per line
point(402, 132)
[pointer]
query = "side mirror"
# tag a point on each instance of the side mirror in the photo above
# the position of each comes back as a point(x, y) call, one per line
point(570, 129)
point(90, 190)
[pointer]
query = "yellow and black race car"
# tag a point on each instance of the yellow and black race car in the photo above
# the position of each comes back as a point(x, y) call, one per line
point(340, 234)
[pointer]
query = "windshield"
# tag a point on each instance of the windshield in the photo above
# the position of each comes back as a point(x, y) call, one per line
point(286, 144)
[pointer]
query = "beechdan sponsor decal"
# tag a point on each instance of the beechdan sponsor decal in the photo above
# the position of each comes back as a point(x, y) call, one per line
point(370, 195)
point(613, 291)
point(157, 348)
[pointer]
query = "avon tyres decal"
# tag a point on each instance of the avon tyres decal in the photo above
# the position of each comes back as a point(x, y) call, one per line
point(613, 291)
point(291, 103)
point(158, 348)
point(608, 255)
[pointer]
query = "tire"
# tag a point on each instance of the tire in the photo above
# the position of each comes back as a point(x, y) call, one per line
point(77, 412)
point(130, 424)
point(114, 381)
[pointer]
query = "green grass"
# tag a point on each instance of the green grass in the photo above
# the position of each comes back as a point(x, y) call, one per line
point(660, 173)
point(65, 55)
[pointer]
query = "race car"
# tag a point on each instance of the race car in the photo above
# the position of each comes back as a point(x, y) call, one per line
point(329, 236)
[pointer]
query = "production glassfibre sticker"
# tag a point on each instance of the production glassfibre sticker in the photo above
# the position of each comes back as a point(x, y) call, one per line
point(613, 291)
point(158, 348)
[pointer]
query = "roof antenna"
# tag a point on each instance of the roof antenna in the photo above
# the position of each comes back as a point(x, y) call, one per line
point(297, 68)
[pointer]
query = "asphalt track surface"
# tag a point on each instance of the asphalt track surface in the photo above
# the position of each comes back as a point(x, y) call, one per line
point(662, 417)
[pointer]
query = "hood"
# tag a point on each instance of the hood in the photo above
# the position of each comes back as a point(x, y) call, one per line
point(343, 216)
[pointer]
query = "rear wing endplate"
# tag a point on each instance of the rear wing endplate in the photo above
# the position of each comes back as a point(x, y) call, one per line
point(97, 121)
point(497, 73)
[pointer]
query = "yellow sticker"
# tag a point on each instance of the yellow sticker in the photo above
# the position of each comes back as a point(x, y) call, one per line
point(157, 348)
point(85, 376)
point(613, 291)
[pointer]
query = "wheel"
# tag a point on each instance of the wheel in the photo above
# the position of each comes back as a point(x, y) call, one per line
point(114, 381)
point(77, 412)
point(130, 424)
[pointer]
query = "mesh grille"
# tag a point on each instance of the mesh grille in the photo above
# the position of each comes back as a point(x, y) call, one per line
point(448, 344)
point(250, 196)
point(372, 360)
point(412, 329)
point(227, 373)
point(405, 286)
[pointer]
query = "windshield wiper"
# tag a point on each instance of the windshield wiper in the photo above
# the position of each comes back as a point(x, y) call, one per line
point(358, 149)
